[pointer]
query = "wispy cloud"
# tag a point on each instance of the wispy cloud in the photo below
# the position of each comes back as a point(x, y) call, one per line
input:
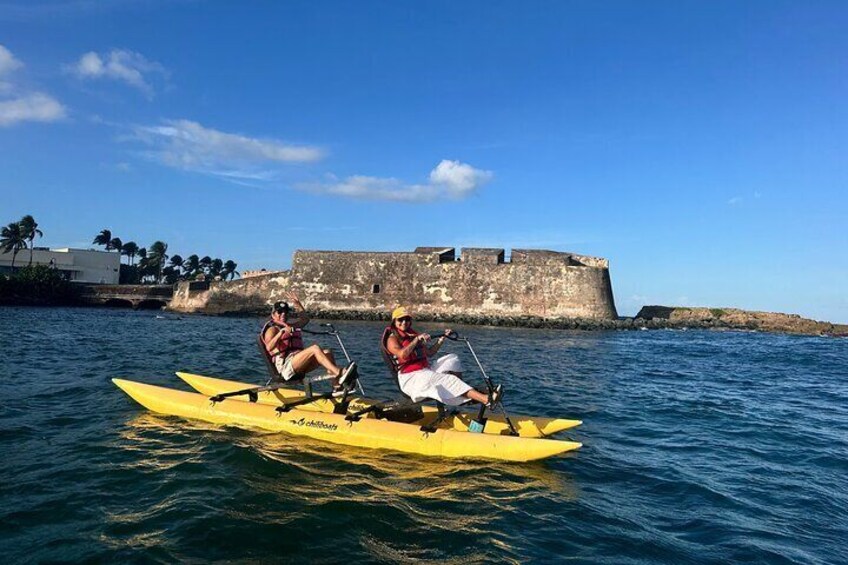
point(121, 65)
point(18, 104)
point(450, 179)
point(187, 145)
point(748, 200)
point(30, 107)
point(8, 63)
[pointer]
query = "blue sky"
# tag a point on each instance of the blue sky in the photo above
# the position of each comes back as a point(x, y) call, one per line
point(700, 146)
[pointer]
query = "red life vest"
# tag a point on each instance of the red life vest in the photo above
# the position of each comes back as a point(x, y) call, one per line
point(418, 359)
point(286, 345)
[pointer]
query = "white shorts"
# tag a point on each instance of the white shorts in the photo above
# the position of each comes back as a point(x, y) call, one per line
point(284, 366)
point(434, 383)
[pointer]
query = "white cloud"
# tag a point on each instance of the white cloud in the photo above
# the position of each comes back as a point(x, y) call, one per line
point(187, 145)
point(33, 107)
point(449, 179)
point(20, 105)
point(458, 178)
point(8, 63)
point(735, 200)
point(121, 65)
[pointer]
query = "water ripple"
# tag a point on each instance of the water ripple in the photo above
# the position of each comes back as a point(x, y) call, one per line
point(699, 448)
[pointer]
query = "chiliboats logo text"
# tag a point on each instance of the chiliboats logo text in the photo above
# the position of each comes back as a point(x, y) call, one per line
point(303, 422)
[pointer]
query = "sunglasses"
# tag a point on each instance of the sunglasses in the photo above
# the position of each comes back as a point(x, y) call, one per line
point(404, 320)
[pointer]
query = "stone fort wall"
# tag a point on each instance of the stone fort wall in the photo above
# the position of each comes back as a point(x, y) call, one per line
point(432, 281)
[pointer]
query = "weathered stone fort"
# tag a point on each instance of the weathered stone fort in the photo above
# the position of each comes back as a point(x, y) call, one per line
point(434, 281)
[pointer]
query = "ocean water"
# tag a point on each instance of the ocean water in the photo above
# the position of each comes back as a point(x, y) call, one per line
point(699, 447)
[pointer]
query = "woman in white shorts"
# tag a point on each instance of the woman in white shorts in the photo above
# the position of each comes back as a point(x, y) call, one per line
point(418, 377)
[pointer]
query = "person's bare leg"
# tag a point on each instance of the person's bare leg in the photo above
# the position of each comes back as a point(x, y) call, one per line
point(332, 358)
point(311, 357)
point(477, 396)
point(330, 355)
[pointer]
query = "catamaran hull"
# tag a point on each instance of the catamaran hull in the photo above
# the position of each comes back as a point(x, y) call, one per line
point(368, 432)
point(496, 425)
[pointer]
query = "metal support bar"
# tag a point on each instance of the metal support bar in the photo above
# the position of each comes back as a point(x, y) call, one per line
point(432, 426)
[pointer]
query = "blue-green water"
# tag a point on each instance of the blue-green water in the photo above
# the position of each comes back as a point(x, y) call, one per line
point(699, 448)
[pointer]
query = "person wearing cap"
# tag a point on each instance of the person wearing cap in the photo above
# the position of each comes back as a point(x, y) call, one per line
point(283, 341)
point(418, 377)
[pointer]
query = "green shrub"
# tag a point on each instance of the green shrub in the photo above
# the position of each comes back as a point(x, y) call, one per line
point(129, 274)
point(717, 312)
point(37, 284)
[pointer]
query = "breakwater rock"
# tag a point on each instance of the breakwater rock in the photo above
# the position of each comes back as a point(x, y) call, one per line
point(734, 318)
point(583, 324)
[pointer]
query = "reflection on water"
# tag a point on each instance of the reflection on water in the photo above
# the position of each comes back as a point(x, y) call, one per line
point(170, 441)
point(298, 478)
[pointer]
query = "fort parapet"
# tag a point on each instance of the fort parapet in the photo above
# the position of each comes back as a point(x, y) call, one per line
point(433, 281)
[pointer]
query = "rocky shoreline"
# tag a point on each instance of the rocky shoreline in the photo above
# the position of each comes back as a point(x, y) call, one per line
point(736, 319)
point(649, 318)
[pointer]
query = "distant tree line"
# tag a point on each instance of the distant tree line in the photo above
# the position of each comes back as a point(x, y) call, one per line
point(155, 265)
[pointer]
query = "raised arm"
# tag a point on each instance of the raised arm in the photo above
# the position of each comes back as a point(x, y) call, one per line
point(302, 317)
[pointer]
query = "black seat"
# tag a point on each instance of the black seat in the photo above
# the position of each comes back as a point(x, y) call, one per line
point(274, 375)
point(389, 359)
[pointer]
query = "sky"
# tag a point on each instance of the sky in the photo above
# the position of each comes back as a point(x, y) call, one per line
point(702, 147)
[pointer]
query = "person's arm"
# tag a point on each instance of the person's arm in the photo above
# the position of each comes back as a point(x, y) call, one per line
point(302, 317)
point(403, 353)
point(433, 349)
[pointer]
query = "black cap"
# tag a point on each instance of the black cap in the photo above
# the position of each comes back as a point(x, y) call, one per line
point(281, 307)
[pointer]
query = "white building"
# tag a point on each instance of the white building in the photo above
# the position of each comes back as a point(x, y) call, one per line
point(81, 265)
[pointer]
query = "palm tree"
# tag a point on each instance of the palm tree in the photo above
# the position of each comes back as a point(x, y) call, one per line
point(130, 249)
point(191, 266)
point(177, 261)
point(205, 262)
point(230, 270)
point(171, 274)
point(12, 239)
point(104, 238)
point(157, 256)
point(215, 268)
point(29, 229)
point(116, 243)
